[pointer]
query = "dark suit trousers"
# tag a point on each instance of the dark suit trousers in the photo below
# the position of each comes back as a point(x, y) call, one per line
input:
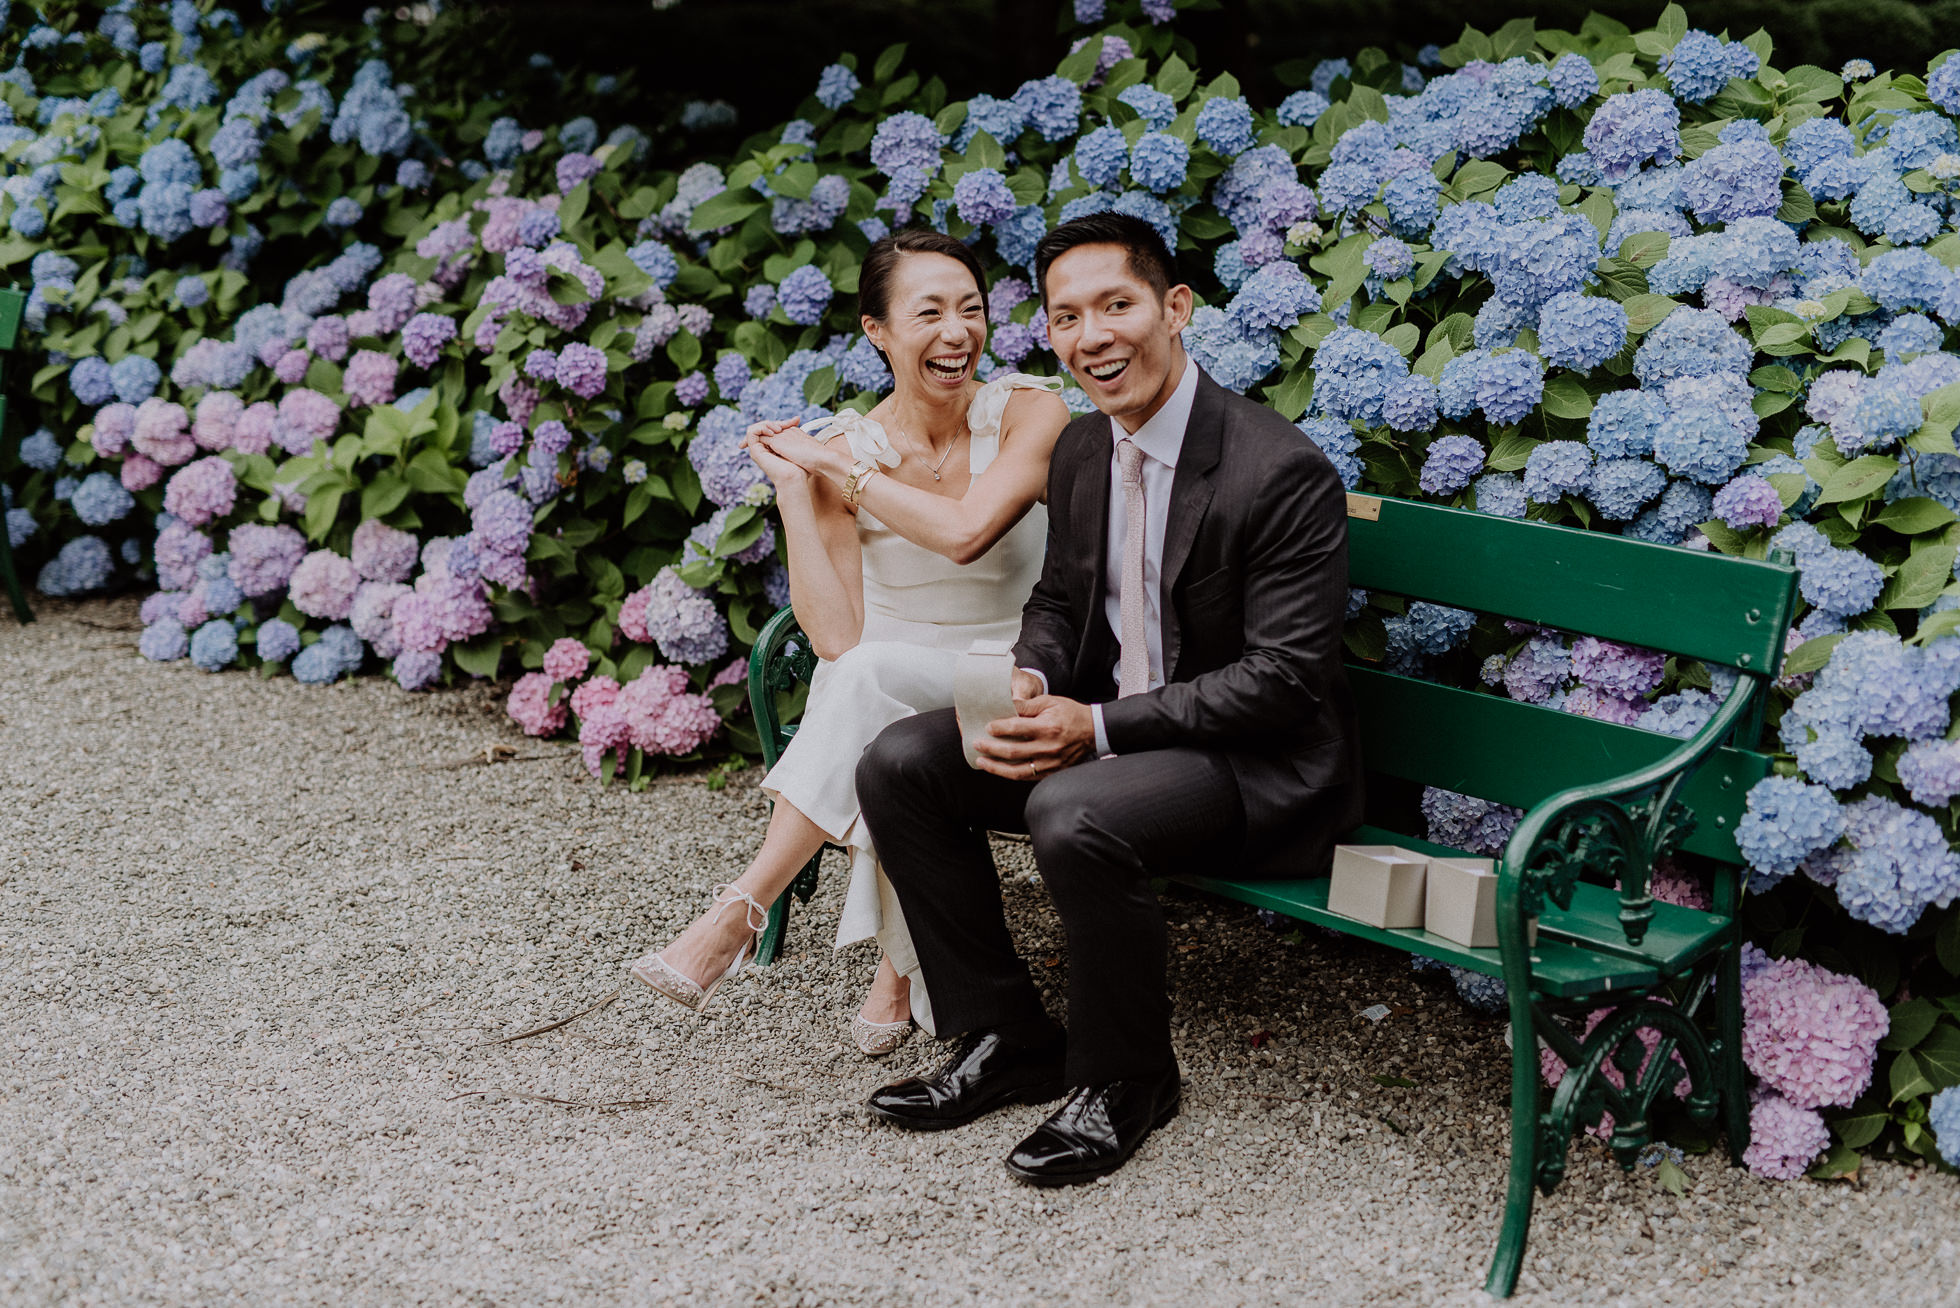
point(1100, 829)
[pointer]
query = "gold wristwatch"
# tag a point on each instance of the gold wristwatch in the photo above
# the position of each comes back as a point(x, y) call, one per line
point(861, 472)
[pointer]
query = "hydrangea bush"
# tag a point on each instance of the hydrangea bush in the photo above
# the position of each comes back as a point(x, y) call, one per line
point(354, 367)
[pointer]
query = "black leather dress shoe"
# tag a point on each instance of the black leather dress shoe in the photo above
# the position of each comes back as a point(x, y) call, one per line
point(983, 1073)
point(1095, 1132)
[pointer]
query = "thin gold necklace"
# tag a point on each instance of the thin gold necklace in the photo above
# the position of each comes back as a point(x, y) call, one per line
point(943, 456)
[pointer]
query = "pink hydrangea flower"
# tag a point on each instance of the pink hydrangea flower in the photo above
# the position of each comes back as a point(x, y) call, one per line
point(734, 674)
point(216, 422)
point(373, 616)
point(327, 337)
point(1783, 1138)
point(305, 418)
point(370, 378)
point(662, 717)
point(531, 708)
point(459, 607)
point(140, 473)
point(384, 553)
point(633, 616)
point(323, 586)
point(191, 610)
point(1810, 1034)
point(291, 367)
point(418, 628)
point(263, 557)
point(179, 549)
point(201, 491)
point(162, 432)
point(253, 434)
point(364, 322)
point(593, 695)
point(520, 399)
point(602, 731)
point(114, 425)
point(567, 659)
point(1552, 1067)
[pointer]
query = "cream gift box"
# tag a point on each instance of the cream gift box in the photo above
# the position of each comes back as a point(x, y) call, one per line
point(1381, 885)
point(983, 690)
point(1460, 902)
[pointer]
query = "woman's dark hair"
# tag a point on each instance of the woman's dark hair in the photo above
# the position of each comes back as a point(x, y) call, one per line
point(1149, 259)
point(881, 265)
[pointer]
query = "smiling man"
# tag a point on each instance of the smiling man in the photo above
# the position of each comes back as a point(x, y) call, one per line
point(1181, 708)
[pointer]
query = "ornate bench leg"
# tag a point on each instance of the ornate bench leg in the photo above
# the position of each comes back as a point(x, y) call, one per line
point(1504, 1265)
point(1735, 1095)
point(802, 888)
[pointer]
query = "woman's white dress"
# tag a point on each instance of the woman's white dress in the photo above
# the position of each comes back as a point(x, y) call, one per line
point(921, 611)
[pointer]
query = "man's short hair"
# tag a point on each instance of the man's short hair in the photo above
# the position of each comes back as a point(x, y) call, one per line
point(1149, 258)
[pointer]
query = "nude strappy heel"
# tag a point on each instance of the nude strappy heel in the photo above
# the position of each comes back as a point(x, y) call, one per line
point(654, 972)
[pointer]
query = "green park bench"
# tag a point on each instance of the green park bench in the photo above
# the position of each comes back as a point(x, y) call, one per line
point(1603, 803)
point(12, 304)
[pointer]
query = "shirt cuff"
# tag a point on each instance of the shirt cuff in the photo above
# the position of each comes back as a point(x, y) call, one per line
point(1040, 676)
point(1102, 737)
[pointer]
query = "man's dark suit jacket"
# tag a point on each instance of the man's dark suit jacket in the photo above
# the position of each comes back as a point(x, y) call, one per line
point(1255, 578)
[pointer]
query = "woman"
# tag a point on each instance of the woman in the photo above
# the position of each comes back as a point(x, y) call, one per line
point(902, 551)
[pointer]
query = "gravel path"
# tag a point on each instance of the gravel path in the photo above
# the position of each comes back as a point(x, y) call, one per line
point(255, 937)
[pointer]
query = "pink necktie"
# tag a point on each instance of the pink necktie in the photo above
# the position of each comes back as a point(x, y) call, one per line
point(1133, 667)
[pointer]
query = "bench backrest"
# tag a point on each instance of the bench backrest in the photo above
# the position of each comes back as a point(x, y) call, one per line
point(1715, 608)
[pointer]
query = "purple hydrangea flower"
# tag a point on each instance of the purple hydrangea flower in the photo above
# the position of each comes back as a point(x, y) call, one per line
point(582, 369)
point(424, 335)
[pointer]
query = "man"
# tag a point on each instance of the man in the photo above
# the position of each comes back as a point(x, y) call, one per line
point(1181, 704)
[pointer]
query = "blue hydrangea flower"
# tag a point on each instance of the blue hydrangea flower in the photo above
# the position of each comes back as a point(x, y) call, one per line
point(1410, 405)
point(1339, 443)
point(1580, 331)
point(1053, 106)
point(1501, 495)
point(1276, 296)
point(163, 641)
point(1740, 178)
point(1701, 441)
point(1556, 469)
point(1943, 89)
point(1621, 488)
point(836, 86)
point(1943, 1109)
point(1451, 464)
point(982, 197)
point(1302, 108)
point(1155, 108)
point(1101, 156)
point(100, 499)
point(656, 260)
point(1700, 65)
point(1573, 80)
point(1236, 358)
point(214, 646)
point(1225, 124)
point(83, 565)
point(906, 140)
point(1623, 424)
point(805, 295)
point(1785, 822)
point(1353, 370)
point(277, 640)
point(1158, 162)
point(1509, 385)
point(1631, 129)
point(1001, 119)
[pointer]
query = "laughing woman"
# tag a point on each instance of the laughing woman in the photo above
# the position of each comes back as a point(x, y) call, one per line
point(911, 531)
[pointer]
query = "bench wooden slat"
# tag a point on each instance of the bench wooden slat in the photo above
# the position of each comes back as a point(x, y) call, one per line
point(1513, 753)
point(1558, 968)
point(1706, 606)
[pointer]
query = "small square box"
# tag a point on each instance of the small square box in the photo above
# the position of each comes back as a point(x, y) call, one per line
point(1460, 902)
point(1381, 885)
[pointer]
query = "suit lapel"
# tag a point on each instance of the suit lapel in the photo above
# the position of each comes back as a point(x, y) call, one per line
point(1089, 505)
point(1190, 496)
